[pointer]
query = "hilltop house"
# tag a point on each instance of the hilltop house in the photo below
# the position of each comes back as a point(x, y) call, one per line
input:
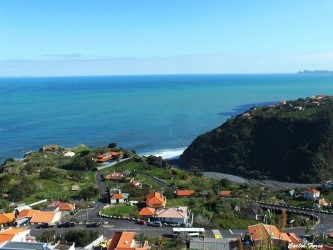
point(108, 156)
point(155, 200)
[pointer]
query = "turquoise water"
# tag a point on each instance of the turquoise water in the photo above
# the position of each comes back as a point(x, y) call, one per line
point(158, 115)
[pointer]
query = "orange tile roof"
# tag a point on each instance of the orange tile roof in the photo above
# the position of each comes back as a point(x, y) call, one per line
point(311, 191)
point(263, 231)
point(6, 218)
point(123, 241)
point(147, 211)
point(155, 199)
point(106, 156)
point(10, 233)
point(225, 192)
point(66, 206)
point(42, 217)
point(117, 196)
point(27, 213)
point(184, 192)
point(293, 238)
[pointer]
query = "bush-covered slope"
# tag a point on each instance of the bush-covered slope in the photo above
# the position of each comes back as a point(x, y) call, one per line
point(290, 141)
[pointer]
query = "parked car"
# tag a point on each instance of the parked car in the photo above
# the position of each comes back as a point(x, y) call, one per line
point(155, 224)
point(141, 222)
point(93, 224)
point(66, 224)
point(44, 225)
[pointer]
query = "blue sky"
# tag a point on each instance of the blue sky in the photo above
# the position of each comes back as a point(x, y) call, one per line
point(125, 37)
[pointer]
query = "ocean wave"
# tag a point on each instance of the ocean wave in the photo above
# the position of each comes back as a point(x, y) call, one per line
point(167, 154)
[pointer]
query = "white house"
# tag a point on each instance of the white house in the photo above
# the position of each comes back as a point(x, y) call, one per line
point(117, 198)
point(172, 215)
point(311, 194)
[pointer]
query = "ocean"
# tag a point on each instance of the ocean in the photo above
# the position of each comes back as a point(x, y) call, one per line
point(159, 115)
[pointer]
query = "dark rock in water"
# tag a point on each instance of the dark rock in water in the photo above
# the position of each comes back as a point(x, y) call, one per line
point(288, 141)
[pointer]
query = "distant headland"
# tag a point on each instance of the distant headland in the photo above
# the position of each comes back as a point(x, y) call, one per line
point(315, 72)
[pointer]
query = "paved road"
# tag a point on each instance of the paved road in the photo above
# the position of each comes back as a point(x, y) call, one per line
point(92, 215)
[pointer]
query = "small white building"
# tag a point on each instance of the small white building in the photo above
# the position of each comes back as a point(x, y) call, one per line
point(117, 198)
point(311, 193)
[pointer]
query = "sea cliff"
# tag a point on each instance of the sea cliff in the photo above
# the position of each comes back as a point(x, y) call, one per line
point(289, 141)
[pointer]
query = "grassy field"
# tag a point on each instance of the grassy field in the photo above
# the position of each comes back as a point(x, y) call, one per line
point(121, 210)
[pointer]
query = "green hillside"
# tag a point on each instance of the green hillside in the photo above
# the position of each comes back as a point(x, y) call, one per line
point(289, 141)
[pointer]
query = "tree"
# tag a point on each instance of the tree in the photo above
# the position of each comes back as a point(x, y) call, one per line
point(117, 157)
point(112, 145)
point(225, 182)
point(88, 192)
point(81, 237)
point(283, 219)
point(47, 236)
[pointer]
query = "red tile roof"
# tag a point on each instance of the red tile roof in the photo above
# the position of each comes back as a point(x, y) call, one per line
point(155, 199)
point(42, 217)
point(6, 218)
point(117, 196)
point(225, 192)
point(106, 156)
point(184, 193)
point(311, 191)
point(123, 241)
point(27, 213)
point(64, 206)
point(10, 233)
point(147, 211)
point(263, 232)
